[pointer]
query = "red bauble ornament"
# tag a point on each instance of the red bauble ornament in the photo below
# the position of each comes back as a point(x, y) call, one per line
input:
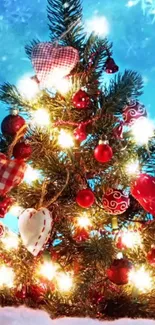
point(81, 100)
point(111, 66)
point(115, 201)
point(143, 190)
point(5, 205)
point(22, 150)
point(151, 256)
point(133, 112)
point(81, 234)
point(118, 272)
point(85, 198)
point(12, 124)
point(21, 293)
point(103, 152)
point(37, 291)
point(80, 133)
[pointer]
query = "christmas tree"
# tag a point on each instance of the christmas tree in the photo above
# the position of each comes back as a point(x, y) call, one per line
point(77, 168)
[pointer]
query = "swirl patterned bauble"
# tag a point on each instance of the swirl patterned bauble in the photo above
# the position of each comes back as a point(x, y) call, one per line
point(133, 112)
point(115, 201)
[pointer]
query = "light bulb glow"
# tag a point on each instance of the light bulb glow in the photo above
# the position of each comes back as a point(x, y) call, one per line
point(119, 256)
point(48, 270)
point(65, 282)
point(65, 139)
point(40, 117)
point(84, 222)
point(31, 175)
point(6, 276)
point(141, 279)
point(63, 85)
point(142, 130)
point(10, 241)
point(28, 88)
point(16, 210)
point(132, 167)
point(97, 24)
point(131, 3)
point(131, 239)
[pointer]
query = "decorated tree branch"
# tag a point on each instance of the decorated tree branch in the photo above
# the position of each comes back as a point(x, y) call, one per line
point(77, 169)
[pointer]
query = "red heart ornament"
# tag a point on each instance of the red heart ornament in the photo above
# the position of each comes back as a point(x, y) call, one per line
point(52, 62)
point(143, 190)
point(11, 173)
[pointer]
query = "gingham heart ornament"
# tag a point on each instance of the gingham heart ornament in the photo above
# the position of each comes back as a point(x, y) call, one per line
point(35, 228)
point(11, 173)
point(52, 62)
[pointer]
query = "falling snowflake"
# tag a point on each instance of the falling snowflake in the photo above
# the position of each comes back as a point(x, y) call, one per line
point(19, 14)
point(147, 6)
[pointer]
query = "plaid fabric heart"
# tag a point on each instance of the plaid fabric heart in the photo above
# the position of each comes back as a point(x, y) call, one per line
point(51, 62)
point(11, 173)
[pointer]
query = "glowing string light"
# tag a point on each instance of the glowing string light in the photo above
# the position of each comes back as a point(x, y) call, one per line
point(131, 239)
point(98, 24)
point(31, 175)
point(84, 222)
point(142, 130)
point(28, 88)
point(65, 139)
point(10, 241)
point(132, 167)
point(40, 117)
point(65, 282)
point(141, 279)
point(6, 276)
point(16, 210)
point(48, 270)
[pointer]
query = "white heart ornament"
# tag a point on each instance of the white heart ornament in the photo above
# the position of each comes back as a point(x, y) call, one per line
point(35, 227)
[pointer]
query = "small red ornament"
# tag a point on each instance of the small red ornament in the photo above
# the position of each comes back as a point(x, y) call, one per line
point(22, 150)
point(21, 293)
point(81, 234)
point(103, 152)
point(38, 291)
point(5, 205)
point(85, 198)
point(133, 112)
point(115, 201)
point(143, 190)
point(81, 100)
point(80, 133)
point(12, 124)
point(118, 272)
point(111, 66)
point(151, 257)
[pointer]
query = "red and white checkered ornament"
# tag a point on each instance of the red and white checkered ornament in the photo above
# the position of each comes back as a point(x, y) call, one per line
point(11, 173)
point(53, 62)
point(115, 201)
point(133, 112)
point(35, 228)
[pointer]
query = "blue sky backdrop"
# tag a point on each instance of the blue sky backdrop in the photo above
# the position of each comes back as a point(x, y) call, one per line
point(129, 24)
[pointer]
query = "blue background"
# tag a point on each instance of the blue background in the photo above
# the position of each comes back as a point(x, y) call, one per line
point(131, 28)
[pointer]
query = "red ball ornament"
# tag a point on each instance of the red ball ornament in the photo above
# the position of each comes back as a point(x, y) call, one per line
point(115, 201)
point(103, 152)
point(80, 133)
point(151, 257)
point(5, 205)
point(143, 190)
point(118, 272)
point(81, 100)
point(81, 235)
point(37, 291)
point(111, 66)
point(85, 198)
point(22, 150)
point(133, 112)
point(21, 293)
point(12, 124)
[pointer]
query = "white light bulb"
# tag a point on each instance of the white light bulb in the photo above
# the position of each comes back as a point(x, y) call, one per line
point(142, 130)
point(99, 25)
point(6, 276)
point(131, 239)
point(132, 167)
point(119, 256)
point(48, 270)
point(31, 175)
point(16, 210)
point(65, 139)
point(62, 85)
point(28, 88)
point(10, 241)
point(65, 282)
point(40, 117)
point(141, 279)
point(84, 222)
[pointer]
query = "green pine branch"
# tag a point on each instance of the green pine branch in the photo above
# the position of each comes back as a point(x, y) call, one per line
point(29, 47)
point(61, 15)
point(10, 95)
